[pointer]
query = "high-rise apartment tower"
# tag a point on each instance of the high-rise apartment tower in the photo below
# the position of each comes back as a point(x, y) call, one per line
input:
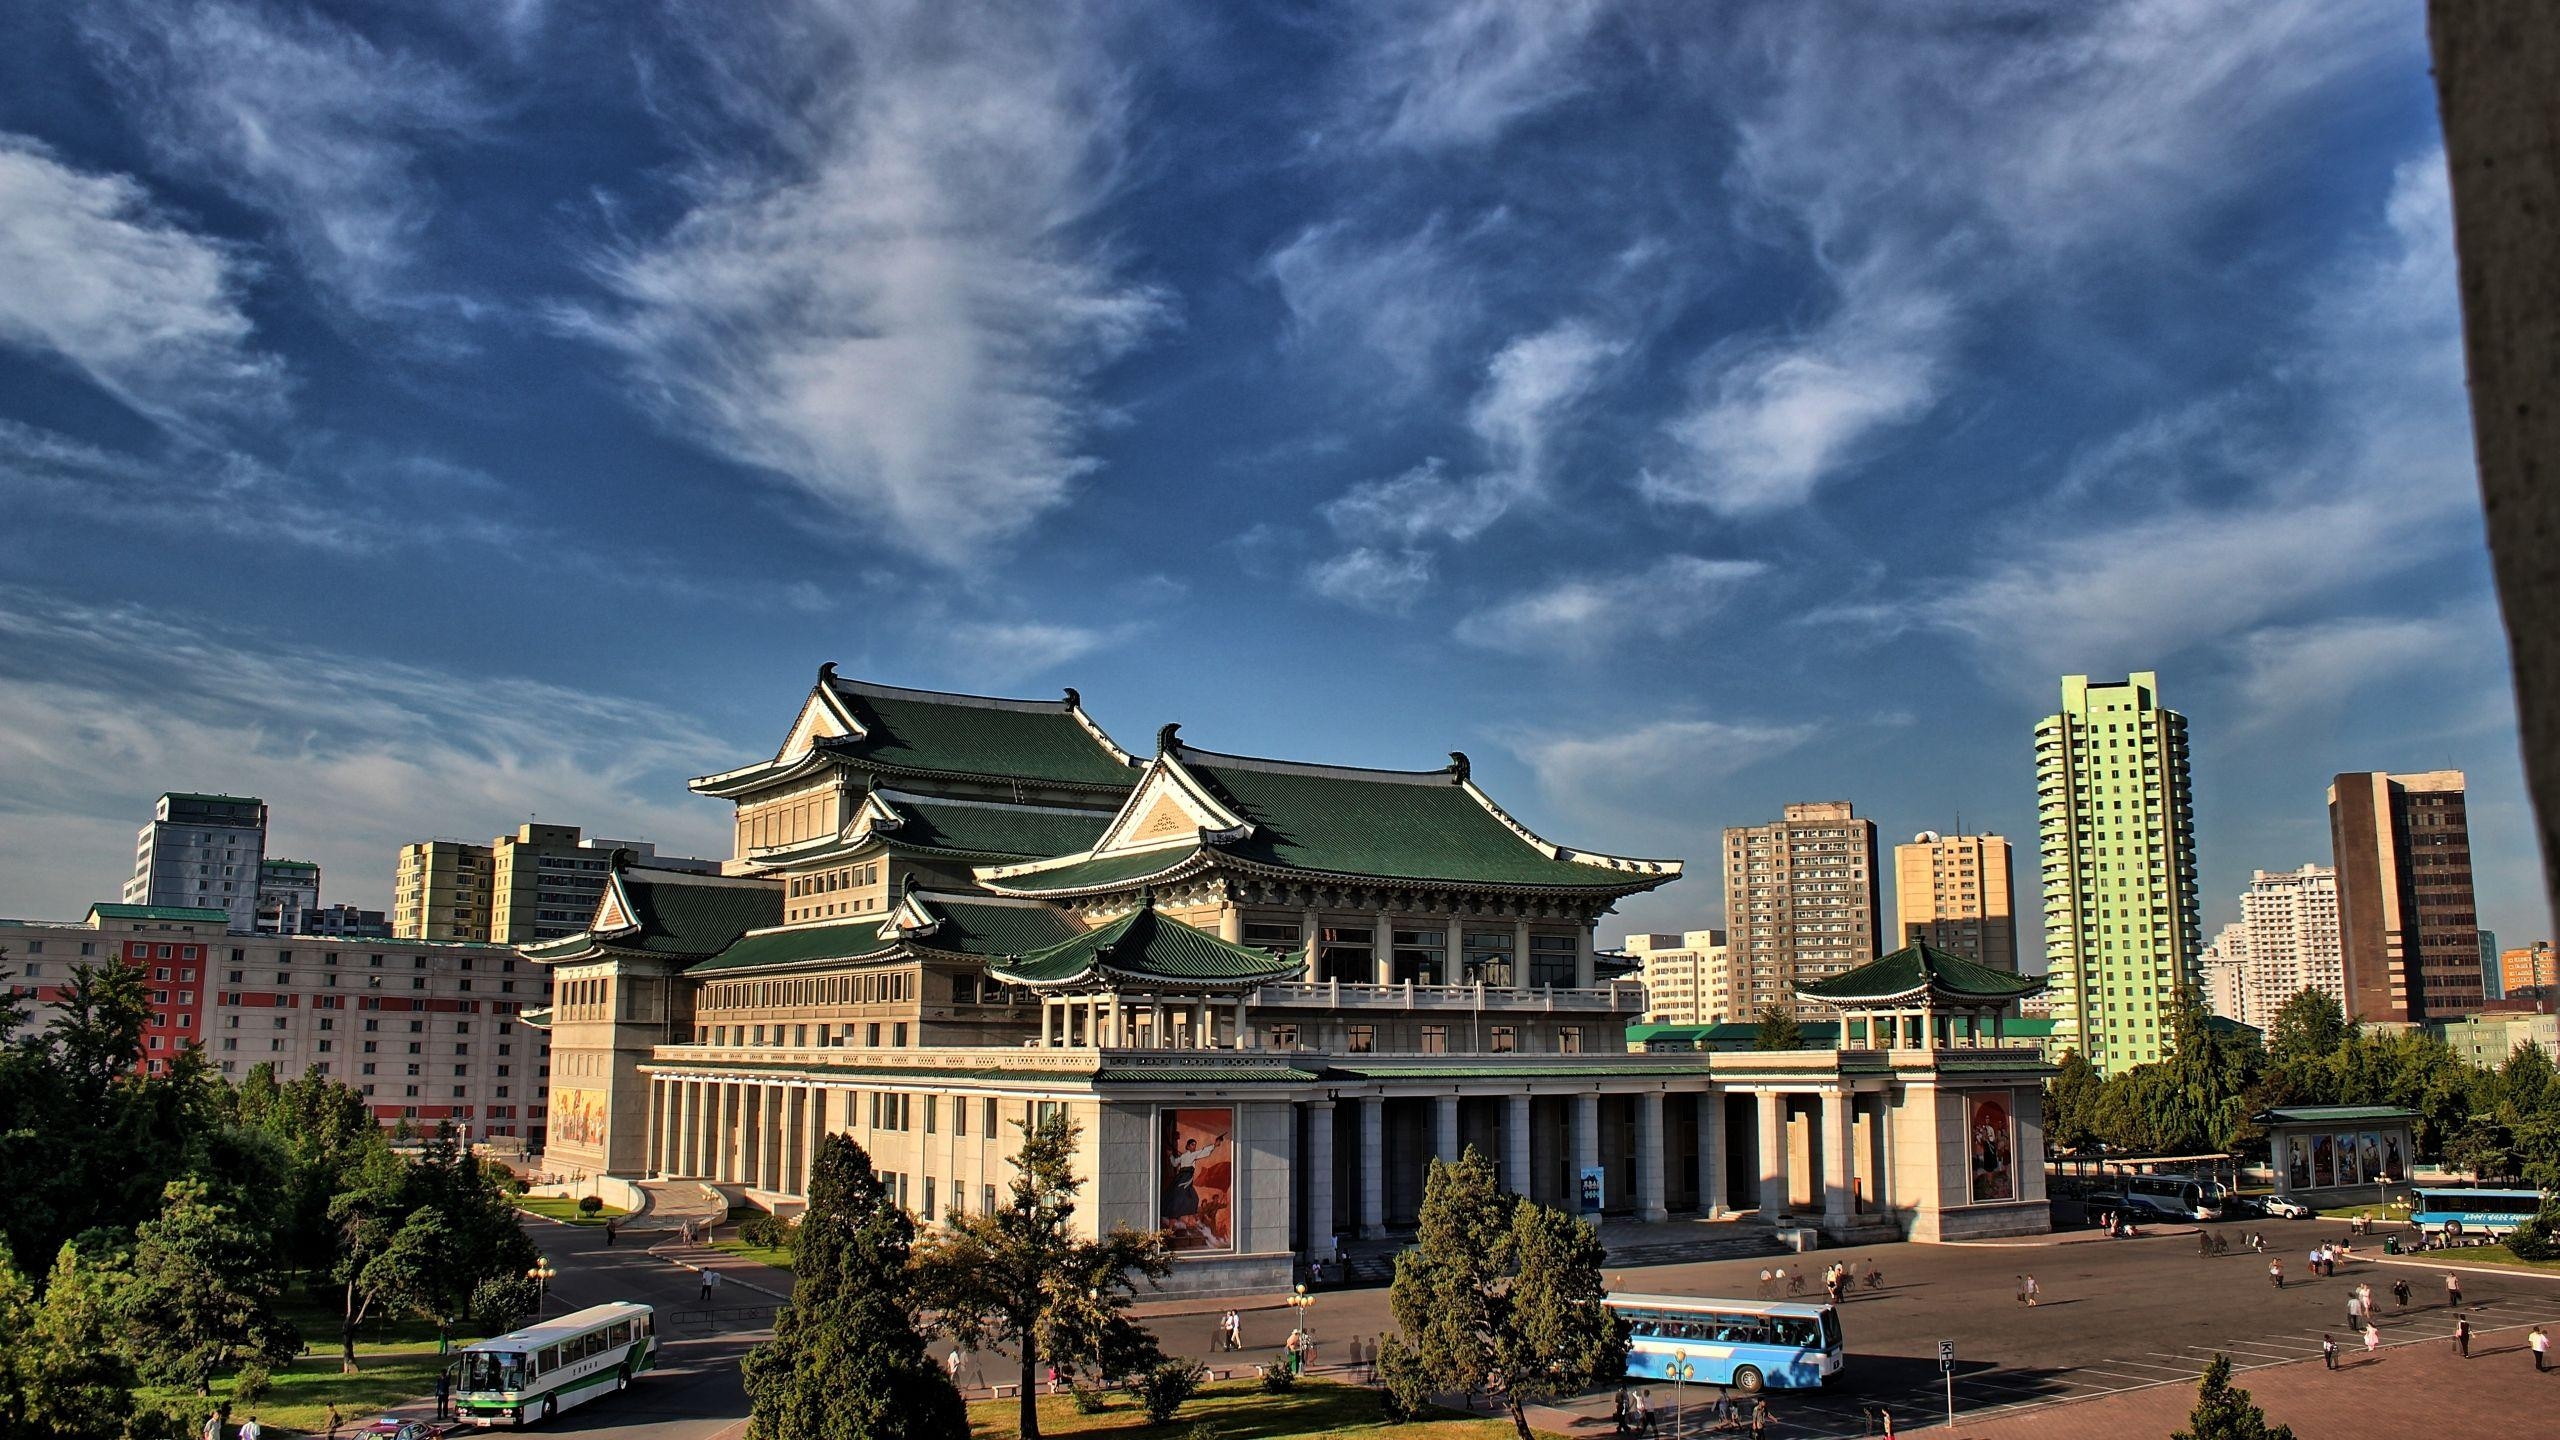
point(2292, 917)
point(1953, 891)
point(2407, 924)
point(2116, 821)
point(1800, 903)
point(202, 851)
point(1684, 975)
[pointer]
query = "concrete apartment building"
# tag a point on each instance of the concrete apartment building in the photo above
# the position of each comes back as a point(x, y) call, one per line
point(425, 1031)
point(1800, 904)
point(540, 883)
point(1685, 978)
point(2116, 829)
point(2292, 920)
point(288, 896)
point(2409, 929)
point(1954, 892)
point(2528, 971)
point(201, 851)
point(2487, 1038)
point(2223, 975)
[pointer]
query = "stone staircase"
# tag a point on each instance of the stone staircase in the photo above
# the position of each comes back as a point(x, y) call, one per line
point(1374, 1262)
point(1741, 1245)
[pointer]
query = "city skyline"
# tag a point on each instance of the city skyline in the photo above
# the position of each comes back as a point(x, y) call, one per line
point(1684, 416)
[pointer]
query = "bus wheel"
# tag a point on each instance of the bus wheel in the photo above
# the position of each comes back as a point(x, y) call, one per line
point(550, 1408)
point(1746, 1378)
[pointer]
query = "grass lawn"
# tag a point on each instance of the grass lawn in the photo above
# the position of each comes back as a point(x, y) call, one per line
point(561, 1208)
point(1238, 1410)
point(2498, 1255)
point(779, 1259)
point(397, 1363)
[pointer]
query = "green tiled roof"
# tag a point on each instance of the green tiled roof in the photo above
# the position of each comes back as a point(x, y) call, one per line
point(200, 913)
point(964, 928)
point(1921, 967)
point(1207, 1073)
point(1490, 1072)
point(539, 1017)
point(799, 945)
point(2331, 1114)
point(678, 915)
point(1107, 873)
point(994, 829)
point(947, 734)
point(1145, 947)
point(992, 930)
point(1390, 823)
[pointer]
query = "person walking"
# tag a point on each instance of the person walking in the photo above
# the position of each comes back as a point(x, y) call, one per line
point(2275, 1272)
point(444, 1394)
point(250, 1429)
point(1640, 1414)
point(1622, 1410)
point(2540, 1343)
point(2400, 1292)
point(2372, 1343)
point(2034, 1291)
point(2364, 1300)
point(216, 1425)
point(2462, 1335)
point(2452, 1290)
point(1764, 1282)
point(951, 1366)
point(1760, 1418)
point(2329, 1351)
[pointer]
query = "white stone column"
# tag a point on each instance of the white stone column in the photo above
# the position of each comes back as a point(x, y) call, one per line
point(1838, 1128)
point(1649, 1206)
point(1231, 923)
point(1586, 1146)
point(1520, 953)
point(1773, 1154)
point(1586, 960)
point(1382, 949)
point(1710, 1152)
point(777, 1158)
point(1373, 1167)
point(1444, 1127)
point(1319, 1185)
point(686, 1128)
point(1515, 1144)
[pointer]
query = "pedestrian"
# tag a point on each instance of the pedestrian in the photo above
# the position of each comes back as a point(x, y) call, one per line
point(1888, 1421)
point(2541, 1344)
point(2462, 1335)
point(610, 1231)
point(334, 1422)
point(216, 1425)
point(2275, 1272)
point(1639, 1417)
point(1778, 1277)
point(2452, 1290)
point(1622, 1410)
point(2372, 1343)
point(250, 1429)
point(1764, 1282)
point(1760, 1418)
point(2400, 1292)
point(2355, 1314)
point(2329, 1351)
point(952, 1365)
point(2031, 1290)
point(444, 1394)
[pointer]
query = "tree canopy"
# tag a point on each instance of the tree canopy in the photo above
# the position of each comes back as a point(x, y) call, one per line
point(2225, 1412)
point(1778, 1030)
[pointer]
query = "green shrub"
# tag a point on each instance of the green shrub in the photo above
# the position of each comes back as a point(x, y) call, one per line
point(1201, 1431)
point(1163, 1388)
point(590, 1204)
point(768, 1232)
point(1403, 1388)
point(1276, 1379)
point(2539, 1237)
point(1090, 1399)
point(252, 1384)
point(499, 1302)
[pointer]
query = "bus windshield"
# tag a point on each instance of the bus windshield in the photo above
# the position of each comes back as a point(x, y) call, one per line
point(492, 1370)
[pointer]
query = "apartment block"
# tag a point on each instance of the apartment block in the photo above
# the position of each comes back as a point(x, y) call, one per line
point(2409, 929)
point(2528, 972)
point(540, 883)
point(424, 1031)
point(201, 851)
point(442, 891)
point(2223, 971)
point(2116, 829)
point(1954, 892)
point(288, 896)
point(2292, 919)
point(1800, 904)
point(1686, 981)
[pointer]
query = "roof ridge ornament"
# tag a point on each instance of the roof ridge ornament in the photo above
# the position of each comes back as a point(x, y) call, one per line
point(1074, 700)
point(1165, 740)
point(1459, 767)
point(827, 673)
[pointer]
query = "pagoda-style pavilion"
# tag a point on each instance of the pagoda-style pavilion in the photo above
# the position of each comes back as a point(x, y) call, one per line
point(1922, 998)
point(1145, 980)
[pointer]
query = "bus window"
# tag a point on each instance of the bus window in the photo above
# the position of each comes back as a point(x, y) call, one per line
point(621, 1334)
point(550, 1358)
point(1830, 1329)
point(1800, 1331)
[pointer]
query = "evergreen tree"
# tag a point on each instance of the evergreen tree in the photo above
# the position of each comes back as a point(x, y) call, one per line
point(203, 1294)
point(1020, 1278)
point(2225, 1412)
point(1778, 1030)
point(1501, 1292)
point(846, 1361)
point(2309, 1028)
point(80, 1385)
point(2071, 1103)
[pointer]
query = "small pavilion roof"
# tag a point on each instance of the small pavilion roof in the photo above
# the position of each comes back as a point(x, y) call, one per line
point(1916, 972)
point(888, 730)
point(671, 914)
point(1145, 949)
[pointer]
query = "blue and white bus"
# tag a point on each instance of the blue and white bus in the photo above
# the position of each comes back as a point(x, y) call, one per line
point(2181, 1197)
point(1747, 1344)
point(2457, 1213)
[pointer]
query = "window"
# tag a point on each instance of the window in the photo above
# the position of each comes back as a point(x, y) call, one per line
point(1502, 1039)
point(988, 1129)
point(932, 1120)
point(928, 1180)
point(1568, 1039)
point(987, 1194)
point(1551, 961)
point(1276, 937)
point(1435, 1039)
point(1360, 1039)
point(1347, 955)
point(1284, 1037)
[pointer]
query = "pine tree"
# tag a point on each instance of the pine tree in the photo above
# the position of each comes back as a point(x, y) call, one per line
point(2225, 1412)
point(1502, 1292)
point(1778, 1030)
point(847, 1361)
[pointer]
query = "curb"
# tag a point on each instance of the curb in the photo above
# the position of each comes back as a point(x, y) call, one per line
point(2497, 1270)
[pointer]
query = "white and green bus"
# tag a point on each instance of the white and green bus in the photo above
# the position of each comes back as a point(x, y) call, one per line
point(535, 1373)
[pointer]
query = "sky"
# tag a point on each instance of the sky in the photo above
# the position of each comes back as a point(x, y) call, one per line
point(426, 417)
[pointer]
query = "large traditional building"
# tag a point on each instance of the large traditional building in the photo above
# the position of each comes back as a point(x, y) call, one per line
point(1266, 993)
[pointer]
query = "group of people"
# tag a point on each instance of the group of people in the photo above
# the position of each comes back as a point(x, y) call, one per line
point(1836, 1279)
point(1635, 1413)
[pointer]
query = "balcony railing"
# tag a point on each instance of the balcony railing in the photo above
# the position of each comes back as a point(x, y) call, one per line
point(1617, 996)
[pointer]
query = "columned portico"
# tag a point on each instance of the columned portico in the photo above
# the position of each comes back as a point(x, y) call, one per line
point(1773, 1154)
point(1711, 1195)
point(1649, 1206)
point(1586, 1140)
point(1444, 1127)
point(1373, 1167)
point(1319, 1185)
point(1515, 1144)
point(1837, 1196)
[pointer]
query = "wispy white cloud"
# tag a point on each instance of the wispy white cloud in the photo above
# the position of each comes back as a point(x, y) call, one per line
point(1657, 768)
point(1584, 617)
point(304, 118)
point(101, 707)
point(1391, 306)
point(95, 276)
point(1441, 75)
point(2286, 670)
point(1004, 652)
point(1530, 388)
point(903, 315)
point(1385, 582)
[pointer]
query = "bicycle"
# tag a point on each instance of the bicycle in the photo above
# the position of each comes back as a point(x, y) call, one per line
point(1874, 1278)
point(1795, 1284)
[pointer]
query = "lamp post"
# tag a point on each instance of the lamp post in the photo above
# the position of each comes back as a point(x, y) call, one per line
point(542, 1274)
point(1303, 1303)
point(1681, 1373)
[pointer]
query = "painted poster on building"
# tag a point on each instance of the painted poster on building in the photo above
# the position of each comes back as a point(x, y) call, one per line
point(2369, 1154)
point(1196, 1176)
point(1595, 1189)
point(2324, 1168)
point(2298, 1161)
point(2392, 1168)
point(2347, 1160)
point(1995, 1166)
point(577, 1118)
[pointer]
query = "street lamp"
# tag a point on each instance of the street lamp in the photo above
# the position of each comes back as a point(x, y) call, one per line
point(542, 1274)
point(1302, 1302)
point(1681, 1373)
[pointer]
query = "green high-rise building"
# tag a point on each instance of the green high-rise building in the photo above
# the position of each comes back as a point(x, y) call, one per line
point(2117, 818)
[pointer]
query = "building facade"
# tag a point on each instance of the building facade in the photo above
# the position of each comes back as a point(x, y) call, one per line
point(201, 851)
point(1685, 977)
point(441, 891)
point(2528, 972)
point(2292, 919)
point(1800, 903)
point(425, 1031)
point(288, 896)
point(1954, 893)
point(2223, 971)
point(2409, 930)
point(2488, 1037)
point(1265, 992)
point(2116, 831)
point(540, 883)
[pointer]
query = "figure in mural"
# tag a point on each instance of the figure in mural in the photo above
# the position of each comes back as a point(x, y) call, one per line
point(2298, 1162)
point(2391, 1167)
point(1197, 1179)
point(2324, 1171)
point(2369, 1146)
point(1994, 1168)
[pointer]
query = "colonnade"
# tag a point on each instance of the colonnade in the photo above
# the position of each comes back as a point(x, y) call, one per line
point(759, 1133)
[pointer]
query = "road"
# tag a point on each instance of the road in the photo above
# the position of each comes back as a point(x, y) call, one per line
point(695, 1393)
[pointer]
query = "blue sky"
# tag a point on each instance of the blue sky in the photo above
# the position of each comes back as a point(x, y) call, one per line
point(428, 416)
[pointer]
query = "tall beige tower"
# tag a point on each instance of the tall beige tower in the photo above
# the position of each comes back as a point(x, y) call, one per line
point(1800, 903)
point(1953, 892)
point(441, 891)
